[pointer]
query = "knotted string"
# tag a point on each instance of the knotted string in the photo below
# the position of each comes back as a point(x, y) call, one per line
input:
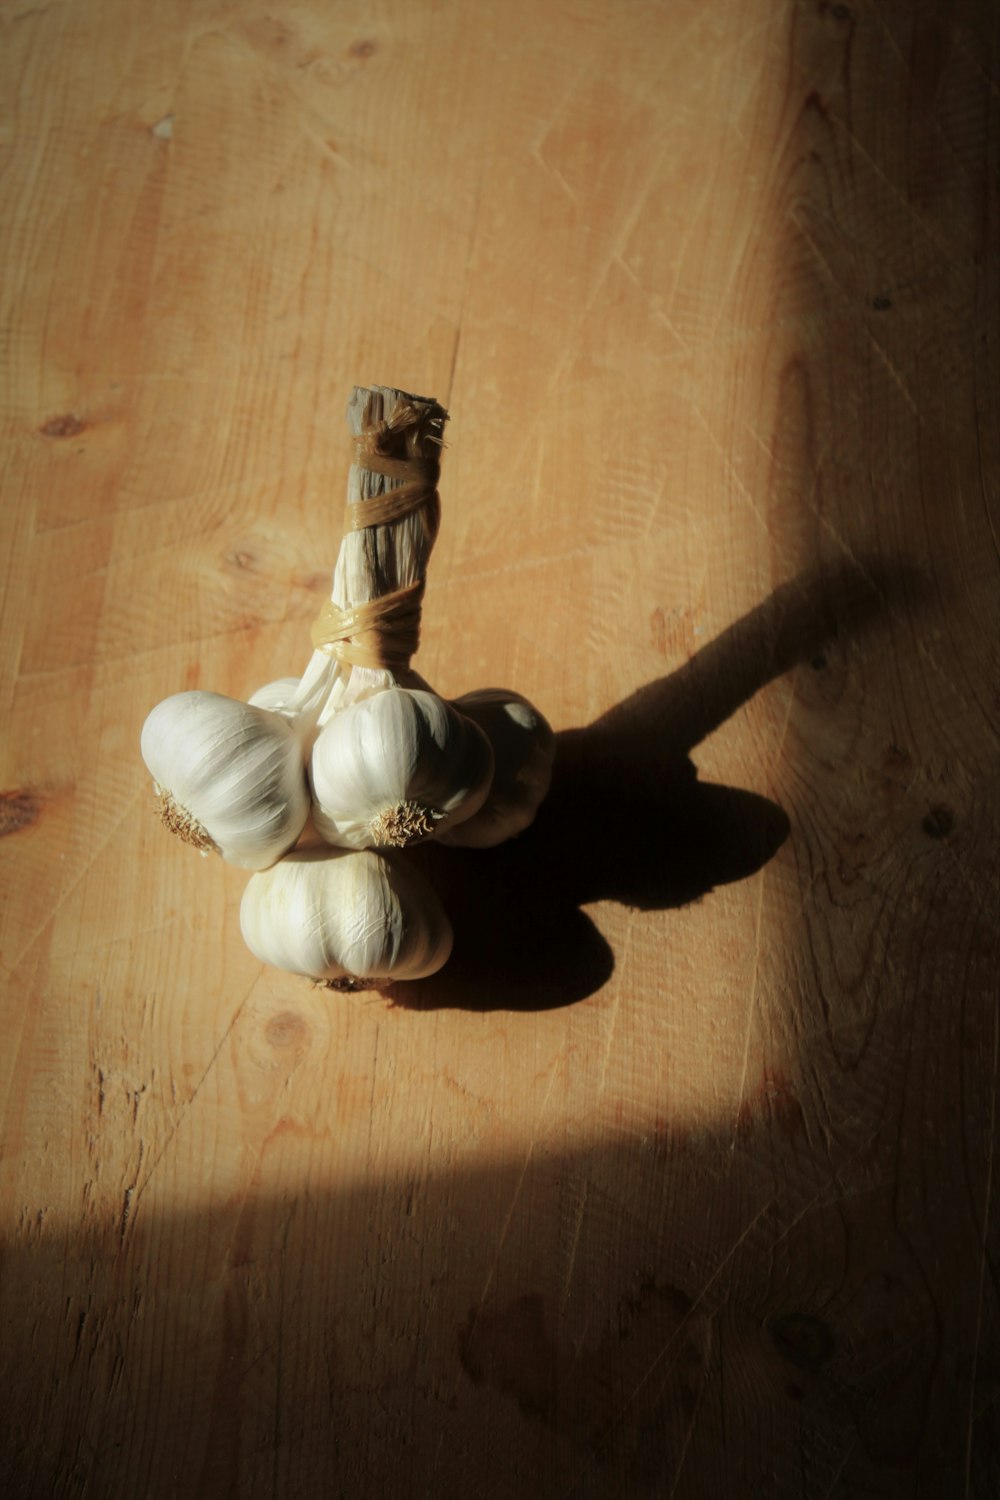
point(384, 633)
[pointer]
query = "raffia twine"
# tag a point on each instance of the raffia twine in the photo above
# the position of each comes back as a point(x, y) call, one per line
point(384, 633)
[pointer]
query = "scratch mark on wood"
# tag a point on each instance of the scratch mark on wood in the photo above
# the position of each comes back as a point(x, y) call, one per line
point(186, 1106)
point(751, 1009)
point(558, 106)
point(984, 1252)
point(580, 1209)
point(845, 1460)
point(494, 1264)
point(894, 188)
point(734, 478)
point(842, 543)
point(74, 885)
point(81, 1324)
point(688, 1434)
point(628, 220)
point(470, 251)
point(610, 1034)
point(555, 174)
point(279, 1370)
point(126, 1212)
point(894, 374)
point(657, 310)
point(517, 567)
point(671, 1342)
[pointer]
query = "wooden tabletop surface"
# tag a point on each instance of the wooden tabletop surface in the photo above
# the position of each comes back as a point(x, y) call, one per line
point(678, 1180)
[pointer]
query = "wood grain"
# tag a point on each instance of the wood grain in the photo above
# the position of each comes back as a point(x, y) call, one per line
point(679, 1179)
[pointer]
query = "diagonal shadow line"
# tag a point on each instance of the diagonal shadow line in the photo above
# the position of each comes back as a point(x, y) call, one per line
point(626, 818)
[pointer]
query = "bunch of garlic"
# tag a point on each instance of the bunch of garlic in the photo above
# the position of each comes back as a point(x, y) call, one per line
point(360, 742)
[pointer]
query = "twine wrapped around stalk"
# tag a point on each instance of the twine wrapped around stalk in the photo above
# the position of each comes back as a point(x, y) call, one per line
point(392, 519)
point(382, 633)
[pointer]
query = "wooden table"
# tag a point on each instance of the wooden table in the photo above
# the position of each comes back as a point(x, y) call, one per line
point(679, 1180)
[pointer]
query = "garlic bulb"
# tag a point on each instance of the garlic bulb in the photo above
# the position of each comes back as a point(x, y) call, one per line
point(230, 777)
point(275, 696)
point(334, 915)
point(524, 748)
point(396, 767)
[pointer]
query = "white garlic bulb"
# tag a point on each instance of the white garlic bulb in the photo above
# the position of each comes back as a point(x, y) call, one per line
point(524, 748)
point(334, 914)
point(275, 696)
point(229, 776)
point(395, 768)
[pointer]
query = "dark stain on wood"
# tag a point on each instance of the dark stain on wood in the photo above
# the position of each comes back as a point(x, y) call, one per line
point(939, 822)
point(816, 103)
point(65, 426)
point(786, 1111)
point(803, 1340)
point(897, 764)
point(573, 1389)
point(363, 50)
point(776, 1099)
point(512, 1351)
point(287, 1030)
point(18, 810)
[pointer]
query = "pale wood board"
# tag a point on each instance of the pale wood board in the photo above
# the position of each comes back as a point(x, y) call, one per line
point(680, 1181)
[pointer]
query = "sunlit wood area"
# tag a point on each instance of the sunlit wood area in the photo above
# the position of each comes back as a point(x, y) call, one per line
point(678, 1179)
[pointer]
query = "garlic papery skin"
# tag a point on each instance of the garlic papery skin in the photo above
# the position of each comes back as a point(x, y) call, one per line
point(524, 749)
point(229, 776)
point(381, 558)
point(395, 768)
point(279, 695)
point(275, 696)
point(337, 915)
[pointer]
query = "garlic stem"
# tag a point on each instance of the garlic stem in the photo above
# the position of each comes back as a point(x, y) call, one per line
point(398, 440)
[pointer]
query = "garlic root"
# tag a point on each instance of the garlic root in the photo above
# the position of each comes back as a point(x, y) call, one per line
point(179, 821)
